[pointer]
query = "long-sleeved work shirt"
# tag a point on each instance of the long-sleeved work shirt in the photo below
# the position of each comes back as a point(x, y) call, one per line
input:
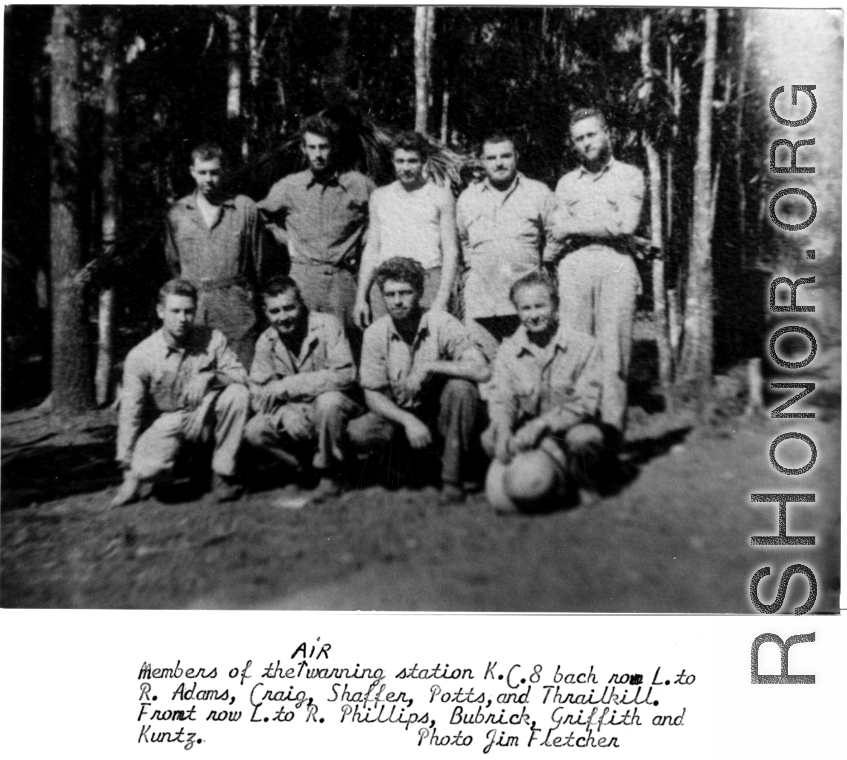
point(560, 383)
point(229, 250)
point(503, 237)
point(325, 221)
point(596, 208)
point(325, 362)
point(156, 375)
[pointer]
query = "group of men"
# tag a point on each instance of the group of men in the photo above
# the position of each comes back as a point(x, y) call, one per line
point(543, 359)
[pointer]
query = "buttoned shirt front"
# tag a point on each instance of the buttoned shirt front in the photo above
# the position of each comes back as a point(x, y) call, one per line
point(324, 363)
point(325, 221)
point(602, 205)
point(503, 237)
point(387, 359)
point(229, 250)
point(156, 375)
point(560, 383)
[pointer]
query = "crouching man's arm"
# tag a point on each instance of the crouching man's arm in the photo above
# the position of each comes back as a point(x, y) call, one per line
point(417, 433)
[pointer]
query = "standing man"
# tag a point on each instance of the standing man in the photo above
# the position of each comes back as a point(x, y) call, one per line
point(321, 215)
point(505, 227)
point(543, 435)
point(419, 371)
point(301, 372)
point(411, 218)
point(184, 380)
point(598, 209)
point(215, 242)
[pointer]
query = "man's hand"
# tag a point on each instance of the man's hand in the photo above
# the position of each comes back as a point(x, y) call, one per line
point(495, 441)
point(416, 379)
point(361, 314)
point(295, 425)
point(280, 234)
point(417, 433)
point(529, 435)
point(196, 388)
point(270, 393)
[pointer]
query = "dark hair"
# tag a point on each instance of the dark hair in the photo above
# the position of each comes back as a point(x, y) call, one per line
point(322, 126)
point(276, 286)
point(176, 287)
point(401, 269)
point(587, 113)
point(496, 137)
point(535, 278)
point(411, 141)
point(207, 151)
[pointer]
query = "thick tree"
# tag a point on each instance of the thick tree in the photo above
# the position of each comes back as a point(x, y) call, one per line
point(71, 378)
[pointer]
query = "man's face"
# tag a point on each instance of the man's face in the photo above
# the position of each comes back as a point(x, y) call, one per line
point(500, 161)
point(318, 150)
point(284, 312)
point(177, 315)
point(536, 308)
point(408, 166)
point(207, 176)
point(401, 299)
point(590, 139)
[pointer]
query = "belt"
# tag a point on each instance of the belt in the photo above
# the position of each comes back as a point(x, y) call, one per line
point(327, 269)
point(221, 283)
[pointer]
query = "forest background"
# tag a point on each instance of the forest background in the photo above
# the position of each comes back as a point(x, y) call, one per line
point(102, 105)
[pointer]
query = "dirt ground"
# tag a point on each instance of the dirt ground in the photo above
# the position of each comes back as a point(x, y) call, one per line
point(676, 538)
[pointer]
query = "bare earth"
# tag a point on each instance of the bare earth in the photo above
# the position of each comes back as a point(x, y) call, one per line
point(676, 538)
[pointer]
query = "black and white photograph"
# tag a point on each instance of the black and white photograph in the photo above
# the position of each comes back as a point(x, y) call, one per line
point(452, 309)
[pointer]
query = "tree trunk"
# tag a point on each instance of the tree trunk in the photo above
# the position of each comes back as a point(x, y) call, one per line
point(422, 65)
point(698, 347)
point(234, 76)
point(72, 391)
point(660, 312)
point(336, 90)
point(111, 203)
point(252, 135)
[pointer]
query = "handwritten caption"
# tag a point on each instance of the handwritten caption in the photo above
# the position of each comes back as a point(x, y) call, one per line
point(492, 706)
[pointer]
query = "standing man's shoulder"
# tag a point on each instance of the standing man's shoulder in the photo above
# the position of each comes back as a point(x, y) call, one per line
point(181, 206)
point(470, 194)
point(327, 323)
point(568, 178)
point(534, 186)
point(357, 181)
point(244, 204)
point(627, 171)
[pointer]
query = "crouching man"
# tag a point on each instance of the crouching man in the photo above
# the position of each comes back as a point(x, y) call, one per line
point(419, 372)
point(181, 385)
point(301, 370)
point(546, 389)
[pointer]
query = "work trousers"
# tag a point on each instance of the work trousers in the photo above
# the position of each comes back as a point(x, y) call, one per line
point(451, 416)
point(157, 448)
point(327, 289)
point(232, 310)
point(597, 288)
point(326, 418)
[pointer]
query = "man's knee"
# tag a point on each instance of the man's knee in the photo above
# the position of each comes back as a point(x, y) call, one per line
point(329, 403)
point(456, 390)
point(235, 397)
point(257, 432)
point(584, 438)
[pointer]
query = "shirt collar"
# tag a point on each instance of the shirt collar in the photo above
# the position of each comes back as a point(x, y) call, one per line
point(335, 179)
point(596, 175)
point(165, 348)
point(422, 332)
point(486, 185)
point(524, 344)
point(311, 339)
point(191, 201)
